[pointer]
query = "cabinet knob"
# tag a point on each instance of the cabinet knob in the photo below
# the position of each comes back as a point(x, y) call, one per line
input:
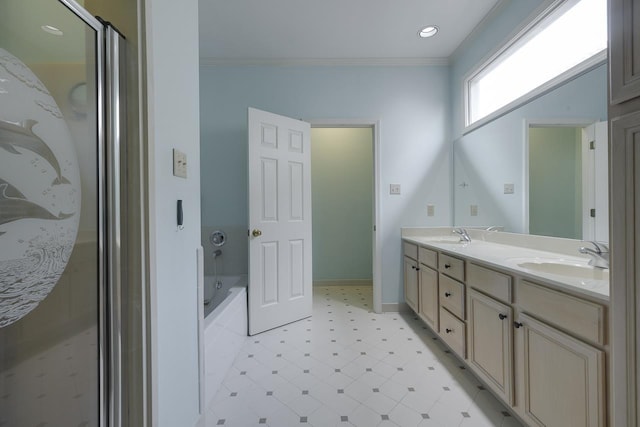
point(447, 294)
point(447, 266)
point(502, 316)
point(417, 268)
point(413, 267)
point(448, 330)
point(518, 325)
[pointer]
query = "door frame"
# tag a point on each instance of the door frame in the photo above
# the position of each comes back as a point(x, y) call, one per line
point(376, 233)
point(527, 124)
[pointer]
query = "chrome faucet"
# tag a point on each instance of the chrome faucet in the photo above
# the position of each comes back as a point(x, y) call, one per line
point(493, 228)
point(464, 236)
point(599, 255)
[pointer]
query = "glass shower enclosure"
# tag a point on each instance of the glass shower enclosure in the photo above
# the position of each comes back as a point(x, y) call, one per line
point(59, 216)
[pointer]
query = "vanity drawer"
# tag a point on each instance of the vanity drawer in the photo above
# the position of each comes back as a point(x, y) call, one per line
point(452, 267)
point(410, 250)
point(490, 282)
point(452, 295)
point(581, 317)
point(453, 332)
point(428, 257)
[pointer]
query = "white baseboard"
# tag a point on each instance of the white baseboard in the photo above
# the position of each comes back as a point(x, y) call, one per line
point(344, 282)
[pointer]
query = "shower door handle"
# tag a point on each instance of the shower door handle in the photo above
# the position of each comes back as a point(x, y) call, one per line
point(256, 232)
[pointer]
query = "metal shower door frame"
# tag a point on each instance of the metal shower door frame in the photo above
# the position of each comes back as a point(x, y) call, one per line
point(110, 138)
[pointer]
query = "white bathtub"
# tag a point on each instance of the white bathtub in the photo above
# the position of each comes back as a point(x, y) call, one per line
point(225, 329)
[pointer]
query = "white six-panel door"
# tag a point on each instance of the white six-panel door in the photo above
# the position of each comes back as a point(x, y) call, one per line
point(280, 279)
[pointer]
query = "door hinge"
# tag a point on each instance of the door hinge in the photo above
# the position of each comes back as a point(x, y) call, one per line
point(592, 145)
point(374, 228)
point(248, 233)
point(592, 213)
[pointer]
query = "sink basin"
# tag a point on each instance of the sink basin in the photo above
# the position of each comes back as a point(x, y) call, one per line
point(580, 271)
point(452, 241)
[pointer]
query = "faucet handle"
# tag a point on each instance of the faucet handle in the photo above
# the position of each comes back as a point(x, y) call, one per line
point(601, 248)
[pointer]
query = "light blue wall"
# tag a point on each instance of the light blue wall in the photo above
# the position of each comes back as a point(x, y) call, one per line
point(174, 123)
point(342, 189)
point(412, 104)
point(493, 155)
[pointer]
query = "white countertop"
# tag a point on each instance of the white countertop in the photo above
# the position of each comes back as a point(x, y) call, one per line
point(509, 257)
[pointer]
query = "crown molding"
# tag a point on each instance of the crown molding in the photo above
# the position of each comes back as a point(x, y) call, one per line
point(324, 62)
point(481, 26)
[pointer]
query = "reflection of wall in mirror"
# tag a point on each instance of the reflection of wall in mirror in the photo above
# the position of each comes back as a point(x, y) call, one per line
point(492, 155)
point(555, 181)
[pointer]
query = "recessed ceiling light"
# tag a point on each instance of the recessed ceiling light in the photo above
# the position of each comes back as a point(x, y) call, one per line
point(429, 31)
point(52, 30)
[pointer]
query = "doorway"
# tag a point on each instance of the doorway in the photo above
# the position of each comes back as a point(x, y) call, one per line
point(565, 167)
point(344, 206)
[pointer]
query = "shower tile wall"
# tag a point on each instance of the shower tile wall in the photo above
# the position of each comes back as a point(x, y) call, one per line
point(233, 260)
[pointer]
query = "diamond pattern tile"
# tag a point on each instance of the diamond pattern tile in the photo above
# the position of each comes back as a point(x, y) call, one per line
point(347, 366)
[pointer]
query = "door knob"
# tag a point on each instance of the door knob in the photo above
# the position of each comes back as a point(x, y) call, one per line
point(256, 232)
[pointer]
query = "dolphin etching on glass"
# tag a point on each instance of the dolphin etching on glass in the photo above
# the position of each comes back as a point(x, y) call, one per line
point(21, 135)
point(16, 208)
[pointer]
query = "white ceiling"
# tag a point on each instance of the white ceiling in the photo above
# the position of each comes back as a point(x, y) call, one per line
point(335, 29)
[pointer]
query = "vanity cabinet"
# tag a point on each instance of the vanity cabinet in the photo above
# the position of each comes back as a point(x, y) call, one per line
point(451, 301)
point(428, 285)
point(539, 348)
point(562, 379)
point(411, 270)
point(562, 382)
point(490, 346)
point(453, 331)
point(451, 266)
point(411, 283)
point(421, 283)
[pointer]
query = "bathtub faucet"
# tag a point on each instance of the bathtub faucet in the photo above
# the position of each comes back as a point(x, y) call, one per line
point(217, 253)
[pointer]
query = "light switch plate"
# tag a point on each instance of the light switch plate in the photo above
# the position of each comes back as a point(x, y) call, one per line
point(394, 188)
point(508, 189)
point(474, 210)
point(431, 210)
point(179, 163)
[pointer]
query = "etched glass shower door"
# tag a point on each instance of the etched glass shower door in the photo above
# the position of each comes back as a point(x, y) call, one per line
point(51, 263)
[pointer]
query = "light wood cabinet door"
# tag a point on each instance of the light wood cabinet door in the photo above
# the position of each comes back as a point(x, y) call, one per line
point(624, 184)
point(453, 331)
point(411, 283)
point(490, 343)
point(563, 379)
point(624, 50)
point(429, 296)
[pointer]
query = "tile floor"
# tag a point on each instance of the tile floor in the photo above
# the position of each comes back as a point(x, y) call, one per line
point(56, 387)
point(347, 366)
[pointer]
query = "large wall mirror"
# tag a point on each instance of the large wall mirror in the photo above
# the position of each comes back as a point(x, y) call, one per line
point(532, 170)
